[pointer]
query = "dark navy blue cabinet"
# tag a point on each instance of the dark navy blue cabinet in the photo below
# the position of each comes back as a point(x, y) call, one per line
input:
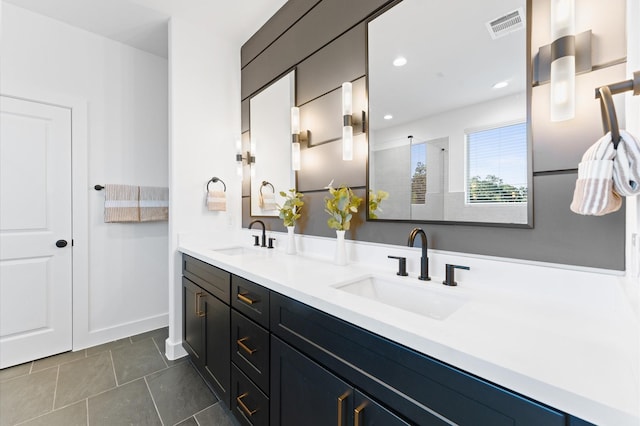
point(417, 389)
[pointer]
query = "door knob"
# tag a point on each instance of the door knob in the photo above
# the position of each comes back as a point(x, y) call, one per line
point(61, 243)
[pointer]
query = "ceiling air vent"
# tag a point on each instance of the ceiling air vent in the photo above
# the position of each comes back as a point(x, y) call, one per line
point(506, 24)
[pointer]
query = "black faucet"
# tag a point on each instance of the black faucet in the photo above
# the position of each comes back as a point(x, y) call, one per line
point(424, 260)
point(264, 232)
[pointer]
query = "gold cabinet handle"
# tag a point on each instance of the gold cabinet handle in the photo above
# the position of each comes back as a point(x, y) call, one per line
point(358, 414)
point(341, 400)
point(243, 297)
point(244, 407)
point(199, 313)
point(246, 348)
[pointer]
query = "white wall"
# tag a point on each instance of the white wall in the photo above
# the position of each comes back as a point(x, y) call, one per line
point(204, 99)
point(123, 290)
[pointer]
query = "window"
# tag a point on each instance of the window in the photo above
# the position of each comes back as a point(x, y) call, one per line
point(497, 165)
point(418, 173)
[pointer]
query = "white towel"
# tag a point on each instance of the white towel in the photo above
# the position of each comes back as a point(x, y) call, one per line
point(594, 194)
point(626, 166)
point(154, 203)
point(121, 203)
point(217, 201)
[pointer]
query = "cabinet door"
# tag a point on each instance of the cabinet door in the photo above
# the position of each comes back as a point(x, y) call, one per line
point(218, 346)
point(304, 393)
point(367, 412)
point(193, 322)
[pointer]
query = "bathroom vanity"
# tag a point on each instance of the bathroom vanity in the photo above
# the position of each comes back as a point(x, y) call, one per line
point(280, 347)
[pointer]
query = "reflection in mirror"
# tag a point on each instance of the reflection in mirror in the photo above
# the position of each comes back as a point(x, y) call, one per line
point(448, 131)
point(270, 122)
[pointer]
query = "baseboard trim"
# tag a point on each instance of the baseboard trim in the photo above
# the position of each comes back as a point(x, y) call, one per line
point(120, 331)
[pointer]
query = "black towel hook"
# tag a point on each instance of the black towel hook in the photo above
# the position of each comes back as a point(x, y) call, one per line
point(609, 117)
point(214, 180)
point(265, 183)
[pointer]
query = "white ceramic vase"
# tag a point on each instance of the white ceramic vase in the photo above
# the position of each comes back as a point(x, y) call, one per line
point(341, 249)
point(291, 240)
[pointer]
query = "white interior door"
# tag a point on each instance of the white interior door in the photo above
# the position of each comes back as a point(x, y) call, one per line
point(35, 219)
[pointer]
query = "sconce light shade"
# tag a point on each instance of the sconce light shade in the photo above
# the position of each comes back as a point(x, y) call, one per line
point(295, 120)
point(347, 143)
point(347, 98)
point(295, 156)
point(563, 60)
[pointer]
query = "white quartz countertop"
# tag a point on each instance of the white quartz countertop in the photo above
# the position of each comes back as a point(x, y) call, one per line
point(565, 350)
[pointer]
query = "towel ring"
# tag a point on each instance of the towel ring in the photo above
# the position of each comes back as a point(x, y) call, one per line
point(609, 117)
point(214, 180)
point(265, 183)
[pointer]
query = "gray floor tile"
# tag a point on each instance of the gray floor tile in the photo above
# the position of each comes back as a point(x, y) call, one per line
point(108, 346)
point(26, 397)
point(130, 404)
point(72, 415)
point(136, 360)
point(83, 378)
point(16, 371)
point(56, 360)
point(189, 422)
point(216, 415)
point(179, 392)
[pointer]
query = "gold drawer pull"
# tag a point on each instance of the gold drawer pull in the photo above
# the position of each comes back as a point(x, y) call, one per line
point(246, 348)
point(199, 313)
point(243, 406)
point(243, 297)
point(358, 413)
point(341, 400)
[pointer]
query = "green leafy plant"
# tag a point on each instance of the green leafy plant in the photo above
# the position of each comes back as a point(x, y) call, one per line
point(341, 205)
point(290, 210)
point(375, 198)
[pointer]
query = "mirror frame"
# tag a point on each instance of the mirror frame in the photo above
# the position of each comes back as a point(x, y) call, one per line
point(529, 86)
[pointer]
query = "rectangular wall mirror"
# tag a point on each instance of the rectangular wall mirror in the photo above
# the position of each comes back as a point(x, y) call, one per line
point(449, 135)
point(270, 129)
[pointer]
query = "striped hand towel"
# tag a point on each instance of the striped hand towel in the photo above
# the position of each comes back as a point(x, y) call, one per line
point(594, 194)
point(217, 201)
point(154, 203)
point(121, 203)
point(268, 201)
point(626, 166)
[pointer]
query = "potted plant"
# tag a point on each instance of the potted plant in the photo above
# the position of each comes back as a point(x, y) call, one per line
point(289, 212)
point(375, 198)
point(341, 204)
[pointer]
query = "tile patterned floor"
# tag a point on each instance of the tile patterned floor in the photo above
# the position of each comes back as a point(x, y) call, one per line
point(125, 382)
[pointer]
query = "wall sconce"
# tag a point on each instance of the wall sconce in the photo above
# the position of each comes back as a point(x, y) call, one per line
point(348, 121)
point(295, 138)
point(559, 62)
point(246, 158)
point(563, 60)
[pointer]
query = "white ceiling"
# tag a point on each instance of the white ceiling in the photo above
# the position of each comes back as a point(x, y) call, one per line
point(143, 23)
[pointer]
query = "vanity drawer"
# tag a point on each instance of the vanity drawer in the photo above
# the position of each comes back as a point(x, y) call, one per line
point(214, 280)
point(250, 349)
point(248, 404)
point(251, 299)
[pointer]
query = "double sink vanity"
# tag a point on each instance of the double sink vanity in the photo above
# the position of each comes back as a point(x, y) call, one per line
point(289, 340)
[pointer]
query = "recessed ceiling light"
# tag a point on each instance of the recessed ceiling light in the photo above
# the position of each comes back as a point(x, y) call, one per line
point(388, 117)
point(501, 84)
point(400, 61)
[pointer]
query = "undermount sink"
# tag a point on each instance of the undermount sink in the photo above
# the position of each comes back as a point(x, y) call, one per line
point(235, 251)
point(414, 297)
